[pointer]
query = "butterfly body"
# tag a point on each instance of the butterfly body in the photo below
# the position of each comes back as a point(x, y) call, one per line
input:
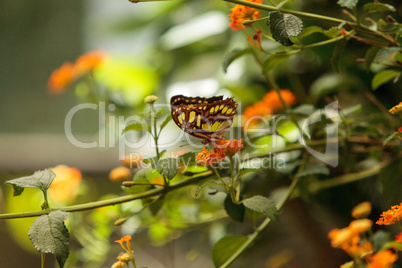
point(205, 118)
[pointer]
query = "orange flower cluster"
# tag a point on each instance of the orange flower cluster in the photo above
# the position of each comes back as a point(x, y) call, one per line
point(361, 210)
point(382, 259)
point(270, 104)
point(69, 72)
point(241, 13)
point(64, 187)
point(349, 238)
point(391, 216)
point(223, 147)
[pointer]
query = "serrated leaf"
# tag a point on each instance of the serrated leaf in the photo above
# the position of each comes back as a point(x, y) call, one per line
point(235, 212)
point(336, 55)
point(390, 137)
point(309, 31)
point(263, 205)
point(225, 247)
point(166, 121)
point(48, 234)
point(40, 180)
point(378, 7)
point(314, 170)
point(233, 55)
point(167, 167)
point(383, 77)
point(370, 56)
point(347, 3)
point(137, 127)
point(283, 26)
point(273, 61)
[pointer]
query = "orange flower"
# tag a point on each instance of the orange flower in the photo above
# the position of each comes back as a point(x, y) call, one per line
point(396, 109)
point(391, 216)
point(61, 78)
point(229, 147)
point(362, 210)
point(119, 173)
point(273, 99)
point(241, 13)
point(382, 259)
point(209, 158)
point(268, 106)
point(88, 61)
point(126, 239)
point(132, 160)
point(360, 226)
point(64, 187)
point(256, 42)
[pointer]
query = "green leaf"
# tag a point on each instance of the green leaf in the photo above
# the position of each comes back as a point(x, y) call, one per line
point(386, 55)
point(245, 171)
point(235, 212)
point(348, 3)
point(304, 109)
point(273, 61)
point(336, 55)
point(370, 56)
point(383, 77)
point(309, 31)
point(187, 159)
point(137, 127)
point(332, 32)
point(233, 55)
point(39, 180)
point(378, 7)
point(166, 121)
point(379, 239)
point(225, 247)
point(390, 137)
point(156, 206)
point(140, 177)
point(48, 234)
point(167, 167)
point(160, 112)
point(283, 26)
point(263, 205)
point(314, 170)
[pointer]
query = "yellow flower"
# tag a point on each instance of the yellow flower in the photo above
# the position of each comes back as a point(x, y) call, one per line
point(64, 187)
point(391, 216)
point(396, 109)
point(118, 264)
point(119, 173)
point(150, 99)
point(362, 210)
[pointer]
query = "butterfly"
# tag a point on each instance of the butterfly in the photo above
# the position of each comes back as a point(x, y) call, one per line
point(204, 118)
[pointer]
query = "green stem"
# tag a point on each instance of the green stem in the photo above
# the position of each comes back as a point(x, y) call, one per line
point(264, 224)
point(133, 262)
point(112, 201)
point(46, 203)
point(156, 137)
point(42, 260)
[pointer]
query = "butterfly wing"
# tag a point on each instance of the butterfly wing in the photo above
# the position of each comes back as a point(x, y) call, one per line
point(205, 118)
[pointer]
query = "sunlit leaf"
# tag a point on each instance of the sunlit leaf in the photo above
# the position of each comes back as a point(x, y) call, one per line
point(167, 167)
point(383, 77)
point(386, 55)
point(225, 247)
point(283, 26)
point(333, 32)
point(347, 3)
point(233, 55)
point(377, 7)
point(304, 109)
point(40, 180)
point(263, 205)
point(166, 121)
point(309, 31)
point(48, 234)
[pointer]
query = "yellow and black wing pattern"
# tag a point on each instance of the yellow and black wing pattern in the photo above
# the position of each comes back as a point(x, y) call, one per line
point(204, 118)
